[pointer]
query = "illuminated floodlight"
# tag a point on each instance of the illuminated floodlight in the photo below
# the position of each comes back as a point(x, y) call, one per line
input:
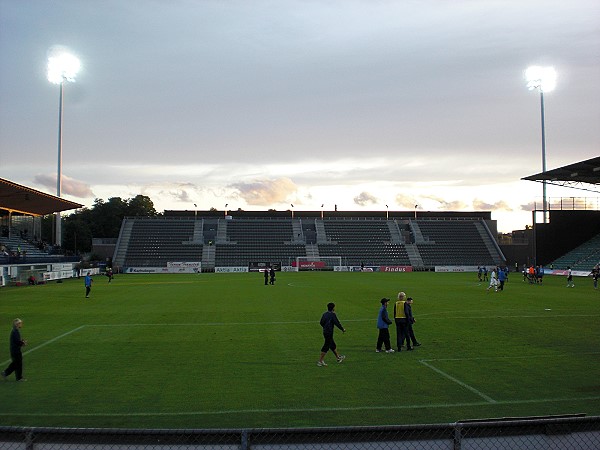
point(62, 65)
point(542, 78)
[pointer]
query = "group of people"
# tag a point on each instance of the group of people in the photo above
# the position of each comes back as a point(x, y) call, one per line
point(534, 275)
point(269, 273)
point(498, 277)
point(403, 318)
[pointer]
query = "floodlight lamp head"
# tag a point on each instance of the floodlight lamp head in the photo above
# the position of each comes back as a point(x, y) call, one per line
point(542, 78)
point(62, 65)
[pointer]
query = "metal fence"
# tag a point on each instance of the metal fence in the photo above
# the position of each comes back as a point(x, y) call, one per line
point(555, 433)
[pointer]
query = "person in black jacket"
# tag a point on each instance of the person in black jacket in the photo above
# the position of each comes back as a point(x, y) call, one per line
point(410, 320)
point(16, 342)
point(328, 321)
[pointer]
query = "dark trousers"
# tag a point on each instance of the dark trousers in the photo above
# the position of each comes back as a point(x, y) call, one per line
point(401, 332)
point(87, 290)
point(15, 366)
point(384, 339)
point(329, 343)
point(410, 336)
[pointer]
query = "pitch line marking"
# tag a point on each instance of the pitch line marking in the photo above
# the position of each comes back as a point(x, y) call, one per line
point(507, 357)
point(460, 383)
point(50, 341)
point(299, 410)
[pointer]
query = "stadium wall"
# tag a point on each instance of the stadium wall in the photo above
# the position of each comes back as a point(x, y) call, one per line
point(564, 231)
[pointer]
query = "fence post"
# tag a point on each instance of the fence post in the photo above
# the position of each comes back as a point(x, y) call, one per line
point(244, 440)
point(457, 436)
point(29, 440)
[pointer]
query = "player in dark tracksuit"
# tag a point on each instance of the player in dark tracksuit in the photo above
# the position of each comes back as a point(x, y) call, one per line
point(328, 321)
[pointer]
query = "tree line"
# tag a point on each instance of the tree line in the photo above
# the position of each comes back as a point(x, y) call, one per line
point(102, 220)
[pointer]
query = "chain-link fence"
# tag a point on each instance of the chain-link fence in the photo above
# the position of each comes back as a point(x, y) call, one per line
point(562, 433)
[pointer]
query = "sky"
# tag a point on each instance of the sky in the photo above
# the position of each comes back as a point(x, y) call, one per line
point(261, 104)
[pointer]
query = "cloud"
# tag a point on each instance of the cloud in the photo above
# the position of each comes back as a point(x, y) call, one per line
point(364, 198)
point(528, 206)
point(406, 201)
point(265, 192)
point(70, 186)
point(445, 205)
point(480, 205)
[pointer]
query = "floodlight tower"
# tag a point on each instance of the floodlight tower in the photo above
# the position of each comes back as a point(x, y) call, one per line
point(62, 66)
point(544, 80)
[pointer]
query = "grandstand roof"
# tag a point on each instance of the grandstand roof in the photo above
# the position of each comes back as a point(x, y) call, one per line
point(583, 175)
point(21, 199)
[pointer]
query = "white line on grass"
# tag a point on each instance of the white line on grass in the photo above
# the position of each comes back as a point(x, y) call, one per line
point(303, 322)
point(509, 357)
point(50, 341)
point(300, 410)
point(460, 383)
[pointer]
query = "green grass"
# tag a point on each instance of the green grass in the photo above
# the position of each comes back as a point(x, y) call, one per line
point(225, 351)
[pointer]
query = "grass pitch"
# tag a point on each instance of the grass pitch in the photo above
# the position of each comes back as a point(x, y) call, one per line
point(225, 351)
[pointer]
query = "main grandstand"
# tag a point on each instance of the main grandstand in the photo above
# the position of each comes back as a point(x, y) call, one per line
point(355, 238)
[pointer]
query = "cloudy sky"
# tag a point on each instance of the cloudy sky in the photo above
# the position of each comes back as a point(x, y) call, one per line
point(259, 104)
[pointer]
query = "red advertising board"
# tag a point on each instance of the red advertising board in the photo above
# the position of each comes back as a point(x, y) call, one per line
point(311, 264)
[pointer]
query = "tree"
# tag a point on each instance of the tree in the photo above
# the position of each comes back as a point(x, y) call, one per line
point(140, 205)
point(103, 220)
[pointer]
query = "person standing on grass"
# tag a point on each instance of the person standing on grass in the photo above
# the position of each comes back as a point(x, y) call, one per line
point(502, 278)
point(328, 321)
point(16, 356)
point(272, 276)
point(383, 323)
point(400, 319)
point(410, 320)
point(266, 274)
point(88, 284)
point(493, 281)
point(570, 277)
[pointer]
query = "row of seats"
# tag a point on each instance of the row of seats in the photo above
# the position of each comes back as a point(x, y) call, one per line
point(357, 242)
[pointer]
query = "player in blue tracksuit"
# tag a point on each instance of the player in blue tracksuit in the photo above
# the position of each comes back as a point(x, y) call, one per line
point(383, 323)
point(501, 278)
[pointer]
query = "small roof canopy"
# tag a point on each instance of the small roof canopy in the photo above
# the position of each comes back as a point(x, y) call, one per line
point(583, 175)
point(21, 199)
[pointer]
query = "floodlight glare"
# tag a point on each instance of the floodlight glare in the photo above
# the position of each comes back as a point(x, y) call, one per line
point(62, 66)
point(542, 78)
